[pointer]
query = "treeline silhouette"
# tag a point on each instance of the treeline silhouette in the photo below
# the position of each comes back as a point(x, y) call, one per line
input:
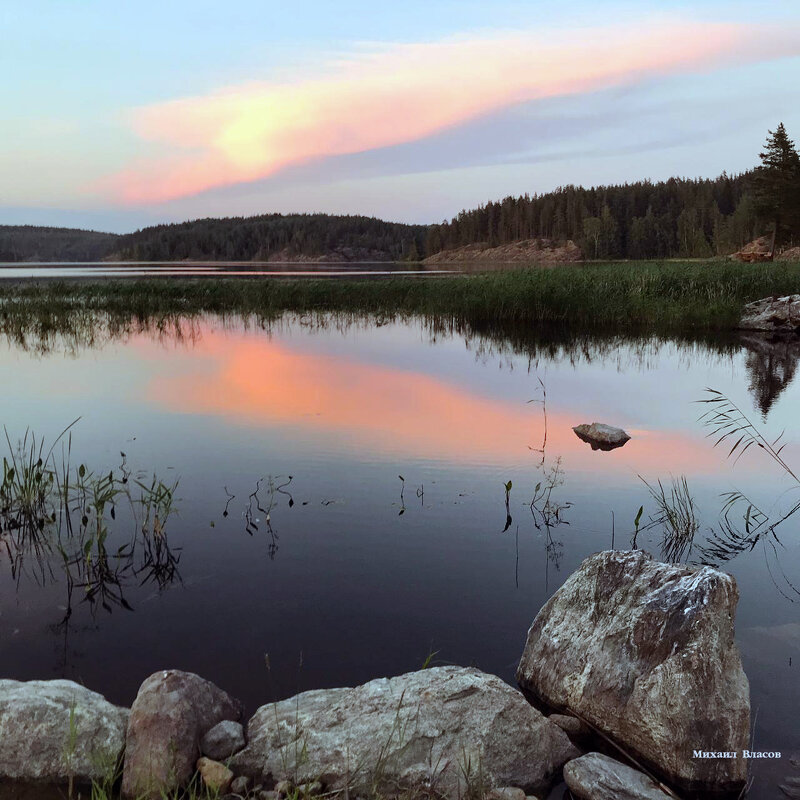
point(262, 237)
point(34, 243)
point(675, 218)
point(258, 238)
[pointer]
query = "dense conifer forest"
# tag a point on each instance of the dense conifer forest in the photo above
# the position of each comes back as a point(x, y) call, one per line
point(677, 218)
point(262, 237)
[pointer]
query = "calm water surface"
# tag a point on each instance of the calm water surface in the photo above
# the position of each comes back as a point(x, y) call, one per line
point(347, 572)
point(204, 269)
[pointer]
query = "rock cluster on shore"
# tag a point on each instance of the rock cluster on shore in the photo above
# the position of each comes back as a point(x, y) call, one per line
point(171, 714)
point(776, 315)
point(758, 250)
point(525, 251)
point(641, 651)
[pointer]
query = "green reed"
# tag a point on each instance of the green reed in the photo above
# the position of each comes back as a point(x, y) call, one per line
point(646, 296)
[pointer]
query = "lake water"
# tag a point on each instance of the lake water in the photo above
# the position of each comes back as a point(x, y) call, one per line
point(44, 271)
point(347, 572)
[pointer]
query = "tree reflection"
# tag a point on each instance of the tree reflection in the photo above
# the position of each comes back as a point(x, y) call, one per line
point(771, 364)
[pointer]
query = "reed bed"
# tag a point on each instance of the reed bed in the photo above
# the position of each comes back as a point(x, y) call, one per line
point(631, 296)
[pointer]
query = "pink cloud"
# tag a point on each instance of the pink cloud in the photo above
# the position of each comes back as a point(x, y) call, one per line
point(388, 95)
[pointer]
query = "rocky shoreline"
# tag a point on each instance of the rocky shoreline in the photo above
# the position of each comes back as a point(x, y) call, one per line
point(525, 251)
point(628, 652)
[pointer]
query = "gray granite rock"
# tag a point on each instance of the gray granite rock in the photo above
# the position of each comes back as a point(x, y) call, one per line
point(601, 436)
point(437, 728)
point(645, 652)
point(223, 740)
point(775, 314)
point(598, 777)
point(572, 726)
point(38, 743)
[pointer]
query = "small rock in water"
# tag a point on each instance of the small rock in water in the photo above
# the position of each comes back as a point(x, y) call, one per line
point(217, 777)
point(598, 777)
point(601, 436)
point(223, 740)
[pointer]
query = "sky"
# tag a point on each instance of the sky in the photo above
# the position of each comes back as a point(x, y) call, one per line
point(114, 116)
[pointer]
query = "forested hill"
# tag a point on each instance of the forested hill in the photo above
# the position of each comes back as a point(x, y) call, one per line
point(34, 243)
point(277, 237)
point(674, 218)
point(269, 237)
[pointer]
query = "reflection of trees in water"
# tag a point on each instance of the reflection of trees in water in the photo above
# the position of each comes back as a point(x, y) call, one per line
point(74, 326)
point(79, 329)
point(771, 366)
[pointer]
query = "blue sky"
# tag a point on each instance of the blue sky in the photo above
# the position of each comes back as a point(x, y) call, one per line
point(115, 116)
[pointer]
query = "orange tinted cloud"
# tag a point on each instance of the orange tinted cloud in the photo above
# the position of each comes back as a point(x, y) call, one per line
point(378, 409)
point(388, 95)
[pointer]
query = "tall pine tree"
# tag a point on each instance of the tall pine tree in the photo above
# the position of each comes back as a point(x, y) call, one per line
point(777, 185)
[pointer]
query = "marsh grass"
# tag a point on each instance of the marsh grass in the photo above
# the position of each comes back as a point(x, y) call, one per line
point(743, 525)
point(53, 514)
point(644, 296)
point(676, 515)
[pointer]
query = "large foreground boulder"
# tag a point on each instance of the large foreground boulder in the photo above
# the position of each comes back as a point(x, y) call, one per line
point(51, 731)
point(644, 651)
point(773, 314)
point(443, 729)
point(171, 714)
point(598, 777)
